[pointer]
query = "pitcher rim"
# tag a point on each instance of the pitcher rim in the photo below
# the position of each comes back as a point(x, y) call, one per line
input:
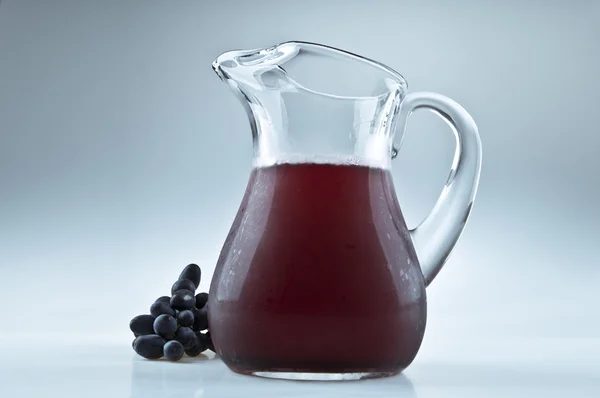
point(402, 84)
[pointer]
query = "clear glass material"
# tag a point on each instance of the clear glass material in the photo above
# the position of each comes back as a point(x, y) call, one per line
point(319, 277)
point(308, 102)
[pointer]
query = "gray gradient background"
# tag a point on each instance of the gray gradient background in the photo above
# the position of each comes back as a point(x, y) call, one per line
point(123, 157)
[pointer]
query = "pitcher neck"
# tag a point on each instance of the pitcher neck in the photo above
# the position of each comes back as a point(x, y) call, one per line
point(312, 103)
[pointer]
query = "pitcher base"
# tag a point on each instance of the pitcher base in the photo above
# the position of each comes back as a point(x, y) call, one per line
point(308, 376)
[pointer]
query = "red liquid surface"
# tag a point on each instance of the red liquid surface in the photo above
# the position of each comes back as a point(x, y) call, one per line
point(318, 274)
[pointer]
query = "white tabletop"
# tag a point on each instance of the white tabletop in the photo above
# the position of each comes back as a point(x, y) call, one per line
point(494, 368)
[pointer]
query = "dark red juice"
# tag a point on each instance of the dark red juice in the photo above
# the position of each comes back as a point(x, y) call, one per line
point(318, 274)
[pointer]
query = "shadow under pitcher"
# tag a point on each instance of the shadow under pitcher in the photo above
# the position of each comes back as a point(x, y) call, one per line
point(319, 277)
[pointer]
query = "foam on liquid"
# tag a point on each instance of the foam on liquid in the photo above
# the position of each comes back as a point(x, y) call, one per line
point(344, 160)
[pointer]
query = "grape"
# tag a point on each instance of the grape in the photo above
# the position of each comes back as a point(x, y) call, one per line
point(209, 342)
point(201, 300)
point(185, 318)
point(142, 325)
point(149, 346)
point(183, 300)
point(200, 319)
point(175, 323)
point(183, 284)
point(195, 350)
point(165, 326)
point(173, 350)
point(205, 341)
point(201, 338)
point(160, 308)
point(186, 337)
point(193, 273)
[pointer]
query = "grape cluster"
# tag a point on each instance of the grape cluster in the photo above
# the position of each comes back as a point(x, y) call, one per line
point(177, 324)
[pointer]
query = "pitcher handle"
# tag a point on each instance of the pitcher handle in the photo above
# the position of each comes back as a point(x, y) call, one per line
point(435, 237)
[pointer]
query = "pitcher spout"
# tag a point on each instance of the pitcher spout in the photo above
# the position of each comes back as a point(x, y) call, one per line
point(242, 65)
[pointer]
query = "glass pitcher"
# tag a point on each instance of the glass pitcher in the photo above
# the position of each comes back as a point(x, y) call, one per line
point(319, 277)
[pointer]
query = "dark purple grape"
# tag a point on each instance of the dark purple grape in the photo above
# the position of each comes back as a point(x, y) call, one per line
point(209, 343)
point(200, 319)
point(201, 338)
point(185, 318)
point(201, 300)
point(183, 300)
point(165, 299)
point(193, 273)
point(142, 325)
point(207, 340)
point(195, 350)
point(133, 342)
point(165, 326)
point(186, 337)
point(160, 308)
point(149, 346)
point(173, 350)
point(183, 284)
